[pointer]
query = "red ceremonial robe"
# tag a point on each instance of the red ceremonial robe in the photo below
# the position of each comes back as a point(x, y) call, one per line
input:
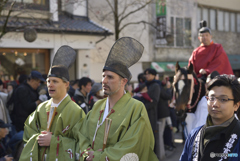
point(210, 58)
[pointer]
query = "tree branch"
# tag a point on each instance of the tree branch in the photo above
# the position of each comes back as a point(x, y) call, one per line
point(125, 8)
point(134, 11)
point(2, 4)
point(134, 23)
point(3, 32)
point(111, 7)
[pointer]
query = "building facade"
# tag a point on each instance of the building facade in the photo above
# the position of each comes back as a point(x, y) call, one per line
point(35, 31)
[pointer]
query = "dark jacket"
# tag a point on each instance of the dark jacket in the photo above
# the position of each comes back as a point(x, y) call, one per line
point(86, 103)
point(216, 144)
point(24, 104)
point(163, 109)
point(154, 93)
point(3, 151)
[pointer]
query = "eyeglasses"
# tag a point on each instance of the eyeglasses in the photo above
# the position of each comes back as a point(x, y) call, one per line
point(222, 99)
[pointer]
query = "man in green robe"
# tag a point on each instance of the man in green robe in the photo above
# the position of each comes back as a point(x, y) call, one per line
point(130, 136)
point(53, 140)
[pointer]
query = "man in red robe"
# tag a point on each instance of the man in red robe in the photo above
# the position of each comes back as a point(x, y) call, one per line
point(209, 56)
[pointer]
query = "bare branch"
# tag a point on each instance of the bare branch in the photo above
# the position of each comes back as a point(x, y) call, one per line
point(109, 3)
point(138, 9)
point(123, 12)
point(2, 4)
point(134, 23)
point(5, 24)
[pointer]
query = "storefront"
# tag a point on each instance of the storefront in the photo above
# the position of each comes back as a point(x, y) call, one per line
point(14, 62)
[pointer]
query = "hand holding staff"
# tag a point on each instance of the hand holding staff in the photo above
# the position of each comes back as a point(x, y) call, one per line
point(51, 117)
point(108, 123)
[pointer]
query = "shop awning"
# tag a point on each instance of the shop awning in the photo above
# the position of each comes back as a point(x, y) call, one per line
point(234, 61)
point(161, 67)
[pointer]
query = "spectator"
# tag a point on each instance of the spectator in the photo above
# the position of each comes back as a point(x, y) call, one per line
point(141, 81)
point(97, 92)
point(73, 87)
point(4, 152)
point(154, 93)
point(22, 78)
point(11, 86)
point(81, 96)
point(1, 86)
point(220, 134)
point(163, 111)
point(142, 95)
point(26, 99)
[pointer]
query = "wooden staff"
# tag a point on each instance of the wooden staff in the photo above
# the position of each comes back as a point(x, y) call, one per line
point(108, 123)
point(51, 117)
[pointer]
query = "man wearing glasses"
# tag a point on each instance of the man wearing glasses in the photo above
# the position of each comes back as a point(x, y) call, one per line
point(218, 139)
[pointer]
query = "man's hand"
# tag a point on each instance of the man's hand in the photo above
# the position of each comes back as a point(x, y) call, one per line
point(8, 158)
point(90, 155)
point(44, 138)
point(202, 71)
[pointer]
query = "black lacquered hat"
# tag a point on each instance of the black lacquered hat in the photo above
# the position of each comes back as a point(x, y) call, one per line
point(62, 61)
point(125, 52)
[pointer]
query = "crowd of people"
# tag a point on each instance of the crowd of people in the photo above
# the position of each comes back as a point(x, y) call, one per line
point(50, 117)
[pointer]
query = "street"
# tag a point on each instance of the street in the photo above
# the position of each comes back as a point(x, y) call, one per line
point(176, 153)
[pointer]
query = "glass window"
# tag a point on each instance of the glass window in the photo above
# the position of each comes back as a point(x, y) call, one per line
point(188, 38)
point(212, 21)
point(170, 38)
point(238, 22)
point(41, 2)
point(205, 14)
point(179, 31)
point(226, 21)
point(220, 20)
point(233, 22)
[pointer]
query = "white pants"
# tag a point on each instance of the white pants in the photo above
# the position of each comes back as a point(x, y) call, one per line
point(198, 118)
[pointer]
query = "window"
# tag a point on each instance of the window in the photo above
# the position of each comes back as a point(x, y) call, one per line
point(233, 22)
point(179, 31)
point(212, 22)
point(238, 22)
point(182, 29)
point(220, 20)
point(187, 35)
point(32, 4)
point(226, 21)
point(41, 2)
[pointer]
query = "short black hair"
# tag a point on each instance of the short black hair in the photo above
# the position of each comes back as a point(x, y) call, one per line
point(141, 78)
point(84, 81)
point(228, 81)
point(22, 78)
point(151, 71)
point(73, 82)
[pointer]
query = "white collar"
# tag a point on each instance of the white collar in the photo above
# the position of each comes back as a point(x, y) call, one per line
point(57, 104)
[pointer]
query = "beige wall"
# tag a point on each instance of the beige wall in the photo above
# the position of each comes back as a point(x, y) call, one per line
point(224, 4)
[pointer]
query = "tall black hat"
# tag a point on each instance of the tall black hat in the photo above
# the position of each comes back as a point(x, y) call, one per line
point(203, 27)
point(125, 52)
point(62, 61)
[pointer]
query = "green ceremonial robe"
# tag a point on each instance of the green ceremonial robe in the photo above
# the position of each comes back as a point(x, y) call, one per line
point(130, 135)
point(62, 145)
